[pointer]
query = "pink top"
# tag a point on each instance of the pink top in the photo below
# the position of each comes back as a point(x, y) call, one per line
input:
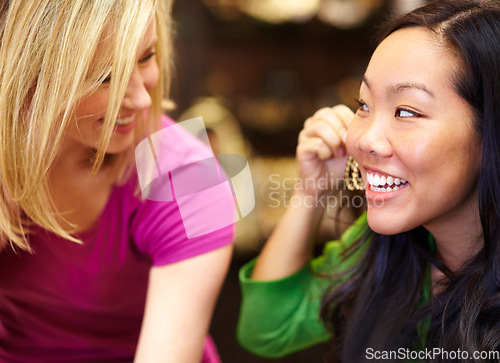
point(70, 302)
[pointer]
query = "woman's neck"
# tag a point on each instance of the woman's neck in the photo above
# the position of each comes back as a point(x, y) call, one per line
point(74, 157)
point(78, 195)
point(459, 237)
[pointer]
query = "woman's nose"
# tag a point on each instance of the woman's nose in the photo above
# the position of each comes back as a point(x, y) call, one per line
point(136, 96)
point(374, 140)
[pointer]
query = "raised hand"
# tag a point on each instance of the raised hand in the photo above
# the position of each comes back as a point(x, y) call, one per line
point(321, 151)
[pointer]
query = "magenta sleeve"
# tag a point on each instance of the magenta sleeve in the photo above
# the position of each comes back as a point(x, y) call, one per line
point(158, 228)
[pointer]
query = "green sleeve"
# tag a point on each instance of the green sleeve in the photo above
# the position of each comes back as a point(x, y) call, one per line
point(281, 317)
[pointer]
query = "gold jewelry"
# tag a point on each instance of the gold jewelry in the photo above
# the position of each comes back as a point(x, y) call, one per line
point(352, 175)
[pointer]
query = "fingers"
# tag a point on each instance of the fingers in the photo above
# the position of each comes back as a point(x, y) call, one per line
point(325, 132)
point(310, 147)
point(344, 113)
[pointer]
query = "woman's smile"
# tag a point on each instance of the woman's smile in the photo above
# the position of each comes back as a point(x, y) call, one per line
point(383, 183)
point(123, 125)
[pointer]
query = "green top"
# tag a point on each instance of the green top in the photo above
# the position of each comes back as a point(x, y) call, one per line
point(281, 317)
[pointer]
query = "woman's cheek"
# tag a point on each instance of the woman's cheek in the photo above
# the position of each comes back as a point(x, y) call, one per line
point(151, 77)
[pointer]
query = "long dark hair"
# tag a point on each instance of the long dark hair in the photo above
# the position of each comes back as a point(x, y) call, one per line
point(379, 306)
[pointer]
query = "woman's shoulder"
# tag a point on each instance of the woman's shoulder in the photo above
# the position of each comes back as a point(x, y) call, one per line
point(180, 143)
point(172, 173)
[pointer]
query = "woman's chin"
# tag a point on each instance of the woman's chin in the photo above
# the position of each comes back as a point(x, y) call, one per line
point(119, 145)
point(384, 224)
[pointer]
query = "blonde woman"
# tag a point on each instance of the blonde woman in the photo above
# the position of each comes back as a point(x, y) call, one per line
point(89, 270)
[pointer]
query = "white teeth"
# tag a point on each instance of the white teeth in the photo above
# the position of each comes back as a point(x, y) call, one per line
point(377, 182)
point(384, 190)
point(370, 178)
point(124, 121)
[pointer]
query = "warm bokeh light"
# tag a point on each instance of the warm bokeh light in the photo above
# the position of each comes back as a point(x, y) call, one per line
point(404, 6)
point(279, 11)
point(339, 13)
point(346, 14)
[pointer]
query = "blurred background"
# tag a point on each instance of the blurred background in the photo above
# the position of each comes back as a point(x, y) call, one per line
point(255, 70)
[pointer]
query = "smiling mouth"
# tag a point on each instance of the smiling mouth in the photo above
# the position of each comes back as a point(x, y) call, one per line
point(121, 121)
point(124, 121)
point(384, 183)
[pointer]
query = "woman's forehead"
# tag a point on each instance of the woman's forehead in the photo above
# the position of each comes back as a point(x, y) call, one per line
point(150, 36)
point(412, 56)
point(105, 47)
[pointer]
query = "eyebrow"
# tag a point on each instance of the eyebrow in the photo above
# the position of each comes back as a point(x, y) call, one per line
point(400, 87)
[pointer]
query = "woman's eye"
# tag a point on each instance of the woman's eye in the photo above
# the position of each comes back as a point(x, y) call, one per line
point(142, 60)
point(404, 113)
point(362, 106)
point(148, 57)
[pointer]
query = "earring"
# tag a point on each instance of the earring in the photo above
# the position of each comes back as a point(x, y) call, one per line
point(352, 175)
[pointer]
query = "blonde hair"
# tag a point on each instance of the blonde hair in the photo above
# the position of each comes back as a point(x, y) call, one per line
point(47, 64)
